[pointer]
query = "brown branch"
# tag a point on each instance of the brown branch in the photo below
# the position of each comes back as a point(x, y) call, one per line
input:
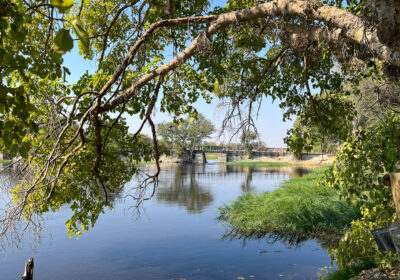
point(151, 105)
point(155, 143)
point(37, 10)
point(81, 8)
point(97, 131)
point(113, 124)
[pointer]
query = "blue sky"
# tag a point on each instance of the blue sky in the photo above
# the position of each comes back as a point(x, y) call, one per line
point(269, 124)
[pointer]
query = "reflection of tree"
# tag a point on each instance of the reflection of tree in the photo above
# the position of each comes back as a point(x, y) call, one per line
point(8, 180)
point(297, 172)
point(246, 185)
point(185, 191)
point(291, 241)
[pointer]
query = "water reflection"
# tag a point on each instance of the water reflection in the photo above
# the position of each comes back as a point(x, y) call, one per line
point(279, 173)
point(296, 172)
point(169, 242)
point(289, 240)
point(8, 180)
point(246, 185)
point(274, 172)
point(184, 187)
point(184, 190)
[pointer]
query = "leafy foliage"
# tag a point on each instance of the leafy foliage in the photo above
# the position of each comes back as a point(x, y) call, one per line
point(358, 173)
point(362, 162)
point(359, 247)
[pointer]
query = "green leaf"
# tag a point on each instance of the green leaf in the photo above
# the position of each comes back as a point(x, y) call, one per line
point(24, 149)
point(14, 149)
point(30, 108)
point(63, 6)
point(63, 41)
point(81, 32)
point(33, 126)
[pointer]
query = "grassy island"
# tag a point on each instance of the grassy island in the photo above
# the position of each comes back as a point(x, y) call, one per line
point(300, 209)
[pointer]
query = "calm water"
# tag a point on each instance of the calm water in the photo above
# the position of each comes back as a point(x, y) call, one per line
point(176, 237)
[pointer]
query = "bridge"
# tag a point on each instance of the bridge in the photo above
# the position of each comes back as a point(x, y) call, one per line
point(225, 154)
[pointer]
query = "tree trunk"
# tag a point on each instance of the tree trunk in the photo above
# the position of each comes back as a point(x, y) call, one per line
point(388, 18)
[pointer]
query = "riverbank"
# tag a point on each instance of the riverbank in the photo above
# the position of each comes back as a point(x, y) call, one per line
point(310, 160)
point(301, 209)
point(364, 272)
point(261, 164)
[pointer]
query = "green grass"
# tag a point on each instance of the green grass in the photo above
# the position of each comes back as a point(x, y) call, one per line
point(211, 155)
point(299, 210)
point(260, 163)
point(5, 160)
point(347, 273)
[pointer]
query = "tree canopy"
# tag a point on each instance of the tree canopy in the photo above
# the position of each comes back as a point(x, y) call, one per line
point(69, 136)
point(185, 135)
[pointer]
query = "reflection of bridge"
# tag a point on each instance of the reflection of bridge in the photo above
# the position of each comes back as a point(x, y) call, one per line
point(225, 154)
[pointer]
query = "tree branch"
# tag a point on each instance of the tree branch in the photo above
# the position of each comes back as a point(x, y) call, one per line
point(348, 26)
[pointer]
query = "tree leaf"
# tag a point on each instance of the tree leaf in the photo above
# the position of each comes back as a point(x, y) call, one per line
point(81, 32)
point(23, 151)
point(33, 126)
point(30, 107)
point(63, 41)
point(63, 6)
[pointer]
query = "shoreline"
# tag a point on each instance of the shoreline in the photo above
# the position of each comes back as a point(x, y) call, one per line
point(290, 160)
point(282, 161)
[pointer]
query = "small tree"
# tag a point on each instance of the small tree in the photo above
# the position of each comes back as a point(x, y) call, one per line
point(185, 135)
point(247, 139)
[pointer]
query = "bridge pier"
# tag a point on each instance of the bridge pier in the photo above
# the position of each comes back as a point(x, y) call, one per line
point(223, 157)
point(200, 157)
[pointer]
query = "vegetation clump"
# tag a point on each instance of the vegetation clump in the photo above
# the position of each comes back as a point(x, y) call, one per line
point(301, 209)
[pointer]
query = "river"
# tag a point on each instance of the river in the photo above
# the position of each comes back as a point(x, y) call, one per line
point(176, 237)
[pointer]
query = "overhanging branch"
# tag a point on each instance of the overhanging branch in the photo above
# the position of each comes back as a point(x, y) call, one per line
point(342, 26)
